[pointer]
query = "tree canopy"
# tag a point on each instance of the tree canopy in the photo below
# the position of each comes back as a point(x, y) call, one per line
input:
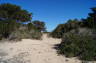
point(14, 12)
point(39, 25)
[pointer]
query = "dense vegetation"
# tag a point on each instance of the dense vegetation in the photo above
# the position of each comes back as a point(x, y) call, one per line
point(13, 25)
point(89, 22)
point(64, 28)
point(76, 43)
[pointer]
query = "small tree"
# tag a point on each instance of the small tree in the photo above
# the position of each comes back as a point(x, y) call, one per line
point(31, 26)
point(39, 25)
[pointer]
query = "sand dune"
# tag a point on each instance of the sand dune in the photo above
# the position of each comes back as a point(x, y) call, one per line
point(32, 51)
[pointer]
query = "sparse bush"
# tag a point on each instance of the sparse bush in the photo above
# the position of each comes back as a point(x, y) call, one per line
point(36, 35)
point(25, 34)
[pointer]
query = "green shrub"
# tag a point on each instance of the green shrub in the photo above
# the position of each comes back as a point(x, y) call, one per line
point(12, 30)
point(64, 28)
point(75, 45)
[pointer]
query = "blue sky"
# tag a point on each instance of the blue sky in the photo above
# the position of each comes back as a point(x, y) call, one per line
point(54, 12)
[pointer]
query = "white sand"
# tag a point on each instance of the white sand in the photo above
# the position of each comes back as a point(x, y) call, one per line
point(32, 51)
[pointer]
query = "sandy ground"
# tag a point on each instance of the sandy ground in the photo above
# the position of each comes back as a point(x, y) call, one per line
point(33, 51)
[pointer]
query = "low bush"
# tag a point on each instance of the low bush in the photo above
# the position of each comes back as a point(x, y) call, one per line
point(75, 45)
point(25, 34)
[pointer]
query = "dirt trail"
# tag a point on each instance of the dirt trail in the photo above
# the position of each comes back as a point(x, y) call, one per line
point(32, 51)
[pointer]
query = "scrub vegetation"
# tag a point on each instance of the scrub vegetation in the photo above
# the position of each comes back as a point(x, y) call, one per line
point(16, 23)
point(78, 37)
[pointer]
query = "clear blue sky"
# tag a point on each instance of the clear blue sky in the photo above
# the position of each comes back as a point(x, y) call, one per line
point(54, 12)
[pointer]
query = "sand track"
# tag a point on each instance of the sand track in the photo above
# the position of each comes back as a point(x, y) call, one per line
point(32, 51)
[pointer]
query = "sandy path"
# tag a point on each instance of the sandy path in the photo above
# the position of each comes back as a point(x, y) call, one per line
point(32, 51)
